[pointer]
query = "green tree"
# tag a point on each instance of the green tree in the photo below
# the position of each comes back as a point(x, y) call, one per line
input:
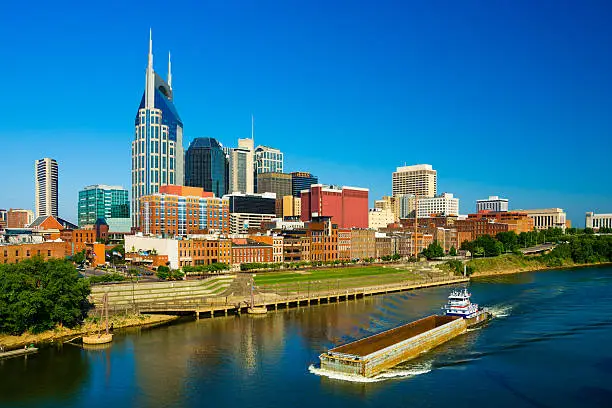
point(36, 295)
point(79, 257)
point(452, 251)
point(509, 239)
point(434, 250)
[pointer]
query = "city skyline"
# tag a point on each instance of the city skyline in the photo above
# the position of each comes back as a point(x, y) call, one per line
point(543, 126)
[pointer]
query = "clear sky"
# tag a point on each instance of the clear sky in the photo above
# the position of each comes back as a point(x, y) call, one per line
point(509, 98)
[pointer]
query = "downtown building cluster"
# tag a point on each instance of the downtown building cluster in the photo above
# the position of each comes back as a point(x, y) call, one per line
point(208, 203)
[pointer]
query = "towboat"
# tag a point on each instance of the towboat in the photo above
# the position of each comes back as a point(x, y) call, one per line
point(459, 305)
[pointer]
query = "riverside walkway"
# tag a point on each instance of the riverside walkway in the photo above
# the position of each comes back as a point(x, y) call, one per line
point(219, 306)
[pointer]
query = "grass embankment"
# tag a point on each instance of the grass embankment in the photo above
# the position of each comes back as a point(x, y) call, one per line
point(342, 278)
point(62, 333)
point(510, 263)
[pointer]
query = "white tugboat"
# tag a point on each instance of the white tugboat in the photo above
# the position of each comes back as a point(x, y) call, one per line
point(459, 305)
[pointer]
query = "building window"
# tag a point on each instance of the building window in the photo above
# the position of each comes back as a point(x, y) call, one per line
point(48, 252)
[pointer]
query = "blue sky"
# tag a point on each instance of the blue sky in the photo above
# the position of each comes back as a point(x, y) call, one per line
point(509, 98)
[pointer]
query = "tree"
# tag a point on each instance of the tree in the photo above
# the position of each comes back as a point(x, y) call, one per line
point(163, 272)
point(79, 257)
point(36, 295)
point(452, 251)
point(434, 250)
point(509, 239)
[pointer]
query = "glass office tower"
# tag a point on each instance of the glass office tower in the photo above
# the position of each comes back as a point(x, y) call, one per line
point(206, 166)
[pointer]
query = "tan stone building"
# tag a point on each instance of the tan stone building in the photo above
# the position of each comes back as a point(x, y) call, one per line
point(363, 243)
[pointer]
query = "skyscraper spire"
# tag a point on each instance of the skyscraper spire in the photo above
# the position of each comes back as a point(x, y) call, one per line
point(150, 77)
point(169, 71)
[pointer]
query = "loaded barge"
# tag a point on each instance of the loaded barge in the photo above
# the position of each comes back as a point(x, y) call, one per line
point(371, 355)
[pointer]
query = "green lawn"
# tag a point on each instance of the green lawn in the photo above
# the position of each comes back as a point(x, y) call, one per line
point(334, 279)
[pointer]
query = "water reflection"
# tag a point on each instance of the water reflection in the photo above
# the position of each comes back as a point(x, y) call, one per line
point(55, 373)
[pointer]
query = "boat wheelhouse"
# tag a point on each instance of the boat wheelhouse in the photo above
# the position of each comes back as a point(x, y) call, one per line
point(459, 305)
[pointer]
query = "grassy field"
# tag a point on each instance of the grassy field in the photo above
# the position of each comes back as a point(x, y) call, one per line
point(340, 278)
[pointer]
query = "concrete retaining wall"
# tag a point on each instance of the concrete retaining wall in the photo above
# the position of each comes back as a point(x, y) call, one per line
point(151, 292)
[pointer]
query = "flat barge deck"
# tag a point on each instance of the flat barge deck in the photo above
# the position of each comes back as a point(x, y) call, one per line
point(371, 355)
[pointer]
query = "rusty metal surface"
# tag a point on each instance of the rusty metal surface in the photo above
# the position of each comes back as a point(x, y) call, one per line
point(388, 338)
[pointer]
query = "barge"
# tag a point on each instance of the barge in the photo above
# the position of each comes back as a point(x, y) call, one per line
point(371, 355)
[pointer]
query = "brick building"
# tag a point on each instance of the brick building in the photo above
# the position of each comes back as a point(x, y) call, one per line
point(517, 221)
point(246, 250)
point(347, 206)
point(344, 244)
point(363, 243)
point(323, 237)
point(204, 251)
point(19, 252)
point(180, 210)
point(470, 229)
point(18, 218)
point(277, 245)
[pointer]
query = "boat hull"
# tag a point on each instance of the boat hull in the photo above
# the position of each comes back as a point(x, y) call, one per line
point(479, 319)
point(257, 310)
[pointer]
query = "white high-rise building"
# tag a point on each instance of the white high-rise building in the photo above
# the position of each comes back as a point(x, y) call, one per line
point(241, 167)
point(268, 160)
point(420, 179)
point(493, 203)
point(443, 205)
point(157, 149)
point(45, 183)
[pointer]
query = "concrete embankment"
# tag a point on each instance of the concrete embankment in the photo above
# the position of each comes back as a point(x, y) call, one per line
point(126, 295)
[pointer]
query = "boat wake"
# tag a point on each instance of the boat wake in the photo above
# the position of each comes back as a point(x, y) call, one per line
point(500, 311)
point(394, 373)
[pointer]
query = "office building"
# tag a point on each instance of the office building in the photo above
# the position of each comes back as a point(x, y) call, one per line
point(347, 206)
point(292, 206)
point(517, 221)
point(380, 218)
point(546, 218)
point(277, 183)
point(45, 182)
point(597, 221)
point(420, 179)
point(181, 210)
point(18, 218)
point(3, 218)
point(268, 160)
point(250, 210)
point(493, 203)
point(301, 180)
point(206, 166)
point(405, 206)
point(157, 148)
point(443, 205)
point(109, 203)
point(241, 167)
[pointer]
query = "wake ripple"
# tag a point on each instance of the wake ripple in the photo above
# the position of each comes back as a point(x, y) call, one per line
point(394, 373)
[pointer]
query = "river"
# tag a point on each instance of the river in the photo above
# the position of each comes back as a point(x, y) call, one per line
point(549, 346)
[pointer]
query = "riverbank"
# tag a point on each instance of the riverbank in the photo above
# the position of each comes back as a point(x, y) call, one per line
point(511, 264)
point(62, 333)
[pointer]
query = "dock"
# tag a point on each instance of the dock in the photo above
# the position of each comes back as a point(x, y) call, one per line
point(371, 355)
point(18, 352)
point(223, 306)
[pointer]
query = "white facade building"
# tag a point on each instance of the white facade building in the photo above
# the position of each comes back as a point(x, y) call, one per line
point(157, 148)
point(45, 183)
point(597, 221)
point(241, 167)
point(268, 160)
point(420, 179)
point(163, 246)
point(380, 218)
point(546, 218)
point(493, 203)
point(443, 205)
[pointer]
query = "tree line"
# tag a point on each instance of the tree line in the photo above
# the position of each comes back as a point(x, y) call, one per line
point(36, 295)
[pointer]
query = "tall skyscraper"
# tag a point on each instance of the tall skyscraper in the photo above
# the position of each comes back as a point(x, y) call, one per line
point(301, 180)
point(108, 202)
point(157, 149)
point(45, 182)
point(268, 160)
point(277, 183)
point(420, 179)
point(206, 166)
point(241, 167)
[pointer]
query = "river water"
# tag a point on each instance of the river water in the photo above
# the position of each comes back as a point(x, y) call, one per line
point(549, 346)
